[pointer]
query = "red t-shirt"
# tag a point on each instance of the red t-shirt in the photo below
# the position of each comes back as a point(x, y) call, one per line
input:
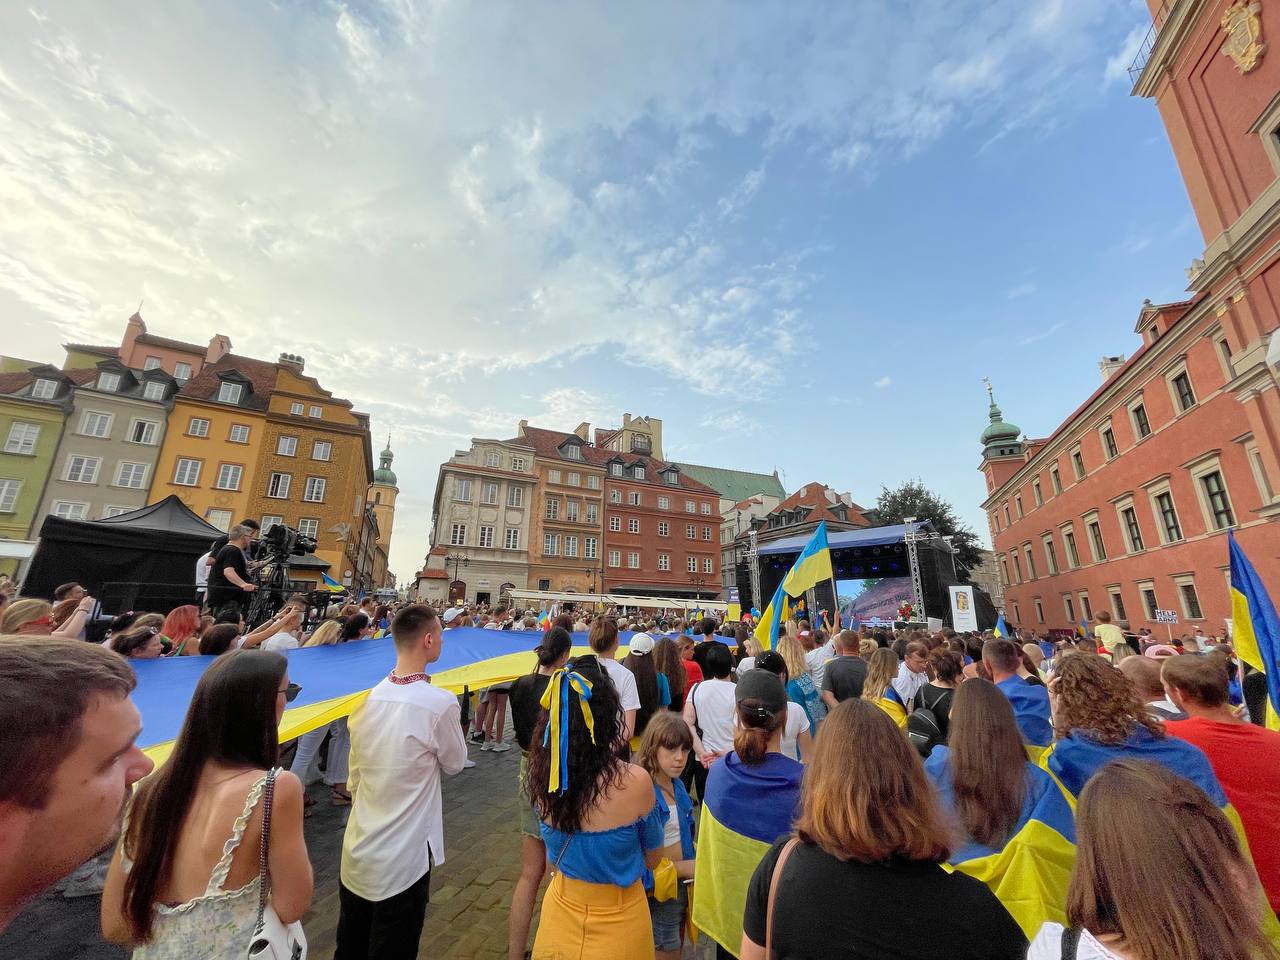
point(692, 673)
point(1246, 759)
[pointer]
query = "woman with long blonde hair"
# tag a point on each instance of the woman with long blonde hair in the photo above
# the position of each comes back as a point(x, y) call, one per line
point(878, 687)
point(325, 635)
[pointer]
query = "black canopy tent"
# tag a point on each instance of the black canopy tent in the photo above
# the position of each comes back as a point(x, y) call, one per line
point(141, 560)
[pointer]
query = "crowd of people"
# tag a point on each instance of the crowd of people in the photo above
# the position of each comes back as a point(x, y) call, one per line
point(839, 793)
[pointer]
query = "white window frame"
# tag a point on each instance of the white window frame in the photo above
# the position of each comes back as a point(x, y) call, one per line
point(1118, 610)
point(269, 520)
point(154, 390)
point(664, 503)
point(511, 538)
point(615, 524)
point(10, 490)
point(551, 544)
point(1088, 519)
point(151, 363)
point(462, 489)
point(322, 446)
point(664, 562)
point(517, 465)
point(296, 409)
point(489, 493)
point(572, 510)
point(493, 459)
point(515, 496)
point(44, 389)
point(615, 495)
point(315, 412)
point(70, 509)
point(615, 470)
point(1180, 581)
point(570, 545)
point(704, 508)
point(708, 565)
point(633, 525)
point(230, 476)
point(314, 490)
point(280, 482)
point(198, 427)
point(186, 471)
point(311, 524)
point(706, 534)
point(232, 433)
point(552, 509)
point(615, 558)
point(1122, 504)
point(229, 392)
point(691, 564)
point(1199, 470)
point(141, 473)
point(593, 482)
point(484, 536)
point(633, 498)
point(181, 371)
point(589, 548)
point(23, 438)
point(1154, 489)
point(113, 510)
point(690, 507)
point(137, 422)
point(553, 476)
point(100, 418)
point(593, 513)
point(286, 445)
point(108, 382)
point(88, 472)
point(633, 560)
point(458, 535)
point(574, 478)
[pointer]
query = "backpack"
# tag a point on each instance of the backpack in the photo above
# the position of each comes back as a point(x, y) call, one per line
point(923, 729)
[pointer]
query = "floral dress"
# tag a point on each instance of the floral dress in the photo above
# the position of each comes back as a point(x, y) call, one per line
point(216, 925)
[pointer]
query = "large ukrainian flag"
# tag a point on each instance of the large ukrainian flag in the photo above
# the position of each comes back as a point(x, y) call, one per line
point(744, 812)
point(1255, 628)
point(812, 567)
point(1031, 872)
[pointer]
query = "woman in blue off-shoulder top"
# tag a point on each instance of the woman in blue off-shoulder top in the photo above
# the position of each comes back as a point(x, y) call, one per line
point(599, 819)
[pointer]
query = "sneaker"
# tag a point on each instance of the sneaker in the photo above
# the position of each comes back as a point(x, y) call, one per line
point(487, 745)
point(500, 747)
point(477, 737)
point(468, 763)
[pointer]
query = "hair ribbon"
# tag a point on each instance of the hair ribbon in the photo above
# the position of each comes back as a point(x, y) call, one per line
point(555, 700)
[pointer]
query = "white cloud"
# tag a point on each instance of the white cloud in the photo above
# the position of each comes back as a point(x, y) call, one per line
point(439, 203)
point(1022, 290)
point(883, 382)
point(1117, 68)
point(1042, 335)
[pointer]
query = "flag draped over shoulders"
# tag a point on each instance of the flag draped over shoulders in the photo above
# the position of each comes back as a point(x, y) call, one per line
point(1030, 873)
point(1030, 708)
point(745, 810)
point(891, 703)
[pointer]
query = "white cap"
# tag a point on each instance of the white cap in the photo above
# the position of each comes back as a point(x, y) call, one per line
point(452, 614)
point(641, 644)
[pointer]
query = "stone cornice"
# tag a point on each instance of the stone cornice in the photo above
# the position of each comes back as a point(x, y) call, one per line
point(1169, 40)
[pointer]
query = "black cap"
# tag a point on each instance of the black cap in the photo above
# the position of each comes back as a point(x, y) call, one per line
point(764, 687)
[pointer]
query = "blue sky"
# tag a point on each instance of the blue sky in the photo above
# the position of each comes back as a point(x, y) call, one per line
point(798, 234)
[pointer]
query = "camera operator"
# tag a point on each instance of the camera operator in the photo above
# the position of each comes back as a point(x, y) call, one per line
point(229, 581)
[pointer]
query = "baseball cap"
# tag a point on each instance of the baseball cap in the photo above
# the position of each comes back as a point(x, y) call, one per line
point(763, 686)
point(1159, 651)
point(452, 614)
point(641, 643)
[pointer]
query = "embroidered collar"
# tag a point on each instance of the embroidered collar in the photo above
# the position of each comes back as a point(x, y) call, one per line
point(412, 678)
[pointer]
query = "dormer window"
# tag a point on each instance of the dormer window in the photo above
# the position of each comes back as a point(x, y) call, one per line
point(572, 452)
point(44, 389)
point(154, 390)
point(638, 471)
point(109, 382)
point(615, 469)
point(230, 392)
point(672, 477)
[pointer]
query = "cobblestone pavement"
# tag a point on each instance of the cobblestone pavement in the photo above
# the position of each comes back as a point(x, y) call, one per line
point(470, 892)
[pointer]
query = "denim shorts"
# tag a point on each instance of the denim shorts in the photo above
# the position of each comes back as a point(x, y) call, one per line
point(668, 918)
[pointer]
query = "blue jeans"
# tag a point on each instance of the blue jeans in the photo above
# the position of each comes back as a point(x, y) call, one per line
point(668, 918)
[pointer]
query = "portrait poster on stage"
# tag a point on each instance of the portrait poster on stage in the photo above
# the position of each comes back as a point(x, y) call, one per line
point(963, 615)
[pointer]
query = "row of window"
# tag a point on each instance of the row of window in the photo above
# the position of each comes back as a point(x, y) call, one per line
point(1184, 584)
point(664, 528)
point(518, 464)
point(574, 479)
point(187, 474)
point(635, 499)
point(463, 491)
point(307, 526)
point(181, 371)
point(1215, 501)
point(664, 561)
point(572, 511)
point(1184, 398)
point(314, 411)
point(110, 383)
point(510, 539)
point(67, 509)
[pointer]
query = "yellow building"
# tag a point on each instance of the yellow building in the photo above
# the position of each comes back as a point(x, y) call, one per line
point(212, 448)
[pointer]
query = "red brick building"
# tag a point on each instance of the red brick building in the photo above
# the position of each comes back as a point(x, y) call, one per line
point(1125, 506)
point(662, 529)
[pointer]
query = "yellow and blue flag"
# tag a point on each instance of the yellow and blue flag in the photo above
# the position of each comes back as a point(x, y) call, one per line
point(330, 584)
point(812, 567)
point(1001, 630)
point(1255, 628)
point(1030, 873)
point(1082, 629)
point(745, 810)
point(891, 703)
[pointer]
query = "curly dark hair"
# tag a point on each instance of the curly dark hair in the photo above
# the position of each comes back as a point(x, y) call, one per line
point(595, 768)
point(1099, 701)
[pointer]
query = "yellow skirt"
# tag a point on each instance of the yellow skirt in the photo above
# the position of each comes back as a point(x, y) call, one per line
point(590, 921)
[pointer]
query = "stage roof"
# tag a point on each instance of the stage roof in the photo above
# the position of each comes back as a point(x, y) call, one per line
point(864, 537)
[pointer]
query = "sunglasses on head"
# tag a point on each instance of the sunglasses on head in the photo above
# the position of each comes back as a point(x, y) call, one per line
point(291, 692)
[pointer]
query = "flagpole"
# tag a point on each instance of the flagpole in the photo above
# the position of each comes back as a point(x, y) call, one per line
point(835, 602)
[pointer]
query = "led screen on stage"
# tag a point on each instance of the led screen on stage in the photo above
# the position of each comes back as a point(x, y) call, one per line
point(863, 600)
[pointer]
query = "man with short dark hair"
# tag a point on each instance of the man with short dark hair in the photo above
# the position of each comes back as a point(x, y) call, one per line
point(1030, 700)
point(912, 673)
point(843, 677)
point(1246, 758)
point(69, 591)
point(402, 738)
point(1144, 674)
point(229, 583)
point(70, 754)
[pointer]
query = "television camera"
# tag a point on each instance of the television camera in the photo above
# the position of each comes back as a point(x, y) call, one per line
point(275, 548)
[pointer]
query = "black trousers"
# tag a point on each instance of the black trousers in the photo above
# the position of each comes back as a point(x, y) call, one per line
point(694, 776)
point(384, 929)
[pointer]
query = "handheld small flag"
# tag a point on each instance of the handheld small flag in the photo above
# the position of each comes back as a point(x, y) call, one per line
point(1255, 628)
point(544, 620)
point(1001, 630)
point(330, 584)
point(812, 567)
point(1082, 629)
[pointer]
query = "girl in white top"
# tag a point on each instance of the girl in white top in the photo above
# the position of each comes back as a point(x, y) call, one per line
point(1128, 894)
point(797, 741)
point(710, 708)
point(185, 878)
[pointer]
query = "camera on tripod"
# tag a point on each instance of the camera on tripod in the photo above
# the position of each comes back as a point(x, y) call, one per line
point(281, 542)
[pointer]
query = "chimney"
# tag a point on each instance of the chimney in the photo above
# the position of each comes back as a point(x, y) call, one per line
point(292, 361)
point(219, 347)
point(522, 427)
point(583, 431)
point(626, 419)
point(1109, 365)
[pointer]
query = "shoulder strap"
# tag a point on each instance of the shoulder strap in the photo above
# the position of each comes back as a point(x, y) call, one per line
point(223, 867)
point(268, 794)
point(783, 856)
point(1070, 942)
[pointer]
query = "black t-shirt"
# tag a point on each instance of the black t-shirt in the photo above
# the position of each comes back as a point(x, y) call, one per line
point(233, 557)
point(900, 909)
point(937, 699)
point(525, 698)
point(844, 677)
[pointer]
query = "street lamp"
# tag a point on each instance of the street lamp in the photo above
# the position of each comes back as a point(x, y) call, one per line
point(697, 580)
point(458, 560)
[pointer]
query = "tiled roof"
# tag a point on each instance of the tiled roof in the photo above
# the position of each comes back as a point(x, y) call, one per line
point(155, 341)
point(13, 382)
point(735, 484)
point(262, 375)
point(814, 496)
point(547, 444)
point(92, 348)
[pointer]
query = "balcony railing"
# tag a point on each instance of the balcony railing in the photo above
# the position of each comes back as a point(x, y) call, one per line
point(1149, 41)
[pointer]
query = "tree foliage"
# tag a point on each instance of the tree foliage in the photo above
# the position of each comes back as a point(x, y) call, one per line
point(914, 499)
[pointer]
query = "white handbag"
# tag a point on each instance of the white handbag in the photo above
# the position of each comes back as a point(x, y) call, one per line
point(271, 939)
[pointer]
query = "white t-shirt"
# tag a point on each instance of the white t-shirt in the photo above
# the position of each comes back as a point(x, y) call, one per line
point(281, 641)
point(816, 660)
point(625, 681)
point(715, 705)
point(491, 625)
point(202, 572)
point(1048, 945)
point(908, 683)
point(797, 723)
point(402, 737)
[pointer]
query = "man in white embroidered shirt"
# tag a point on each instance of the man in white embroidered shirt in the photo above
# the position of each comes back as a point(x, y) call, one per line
point(402, 737)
